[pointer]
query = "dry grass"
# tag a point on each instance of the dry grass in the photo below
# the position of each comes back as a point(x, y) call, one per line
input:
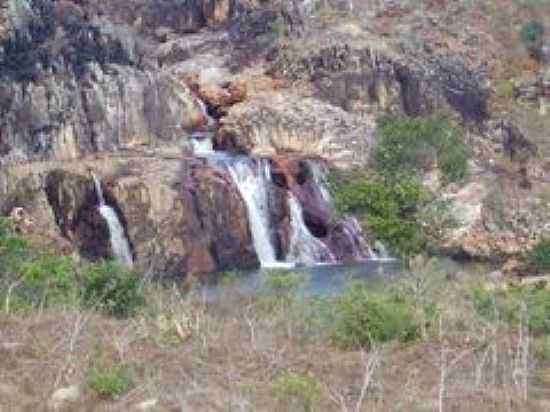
point(227, 355)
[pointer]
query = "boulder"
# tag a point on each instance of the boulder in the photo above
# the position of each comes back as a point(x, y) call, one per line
point(183, 217)
point(275, 123)
point(64, 396)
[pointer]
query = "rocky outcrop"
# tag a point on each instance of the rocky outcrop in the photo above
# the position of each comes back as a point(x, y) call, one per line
point(279, 123)
point(302, 178)
point(179, 218)
point(65, 118)
point(377, 78)
point(69, 87)
point(495, 220)
point(74, 202)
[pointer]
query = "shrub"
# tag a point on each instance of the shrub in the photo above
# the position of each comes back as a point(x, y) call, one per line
point(508, 304)
point(297, 391)
point(109, 381)
point(364, 317)
point(388, 207)
point(539, 256)
point(531, 35)
point(406, 145)
point(114, 288)
point(47, 279)
point(14, 249)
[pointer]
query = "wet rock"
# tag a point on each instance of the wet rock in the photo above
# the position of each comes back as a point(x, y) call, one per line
point(184, 218)
point(75, 204)
point(343, 236)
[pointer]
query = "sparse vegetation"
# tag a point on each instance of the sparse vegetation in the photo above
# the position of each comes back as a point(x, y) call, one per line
point(109, 381)
point(113, 288)
point(296, 391)
point(408, 145)
point(512, 304)
point(305, 353)
point(531, 35)
point(539, 256)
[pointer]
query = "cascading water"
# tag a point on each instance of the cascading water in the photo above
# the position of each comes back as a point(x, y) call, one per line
point(202, 144)
point(118, 240)
point(350, 227)
point(252, 178)
point(304, 247)
point(319, 174)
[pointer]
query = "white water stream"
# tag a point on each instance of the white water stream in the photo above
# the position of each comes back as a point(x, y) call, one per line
point(253, 178)
point(118, 240)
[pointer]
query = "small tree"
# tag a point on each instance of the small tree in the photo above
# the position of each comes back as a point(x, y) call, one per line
point(531, 36)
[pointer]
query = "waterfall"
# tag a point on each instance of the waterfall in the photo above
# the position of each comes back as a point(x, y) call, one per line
point(304, 247)
point(118, 240)
point(202, 143)
point(209, 119)
point(319, 174)
point(253, 178)
point(350, 227)
point(380, 252)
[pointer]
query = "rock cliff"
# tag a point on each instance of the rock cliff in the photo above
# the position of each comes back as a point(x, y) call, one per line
point(121, 88)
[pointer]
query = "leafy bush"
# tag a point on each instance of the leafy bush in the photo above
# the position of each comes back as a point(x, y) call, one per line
point(406, 145)
point(14, 249)
point(48, 279)
point(539, 256)
point(511, 304)
point(30, 278)
point(388, 207)
point(364, 317)
point(109, 381)
point(296, 391)
point(531, 35)
point(114, 288)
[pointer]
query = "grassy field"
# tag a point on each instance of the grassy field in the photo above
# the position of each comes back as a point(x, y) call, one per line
point(435, 340)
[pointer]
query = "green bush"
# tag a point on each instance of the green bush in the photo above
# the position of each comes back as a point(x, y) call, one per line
point(109, 381)
point(388, 207)
point(14, 249)
point(296, 391)
point(31, 278)
point(112, 287)
point(407, 145)
point(511, 304)
point(531, 35)
point(539, 256)
point(48, 279)
point(364, 317)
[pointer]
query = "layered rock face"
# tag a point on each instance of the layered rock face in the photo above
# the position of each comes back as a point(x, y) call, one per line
point(179, 217)
point(69, 87)
point(374, 78)
point(113, 87)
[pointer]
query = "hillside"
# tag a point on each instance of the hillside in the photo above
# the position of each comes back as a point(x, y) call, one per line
point(191, 139)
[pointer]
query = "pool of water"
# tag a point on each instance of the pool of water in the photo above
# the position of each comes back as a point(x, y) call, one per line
point(320, 280)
